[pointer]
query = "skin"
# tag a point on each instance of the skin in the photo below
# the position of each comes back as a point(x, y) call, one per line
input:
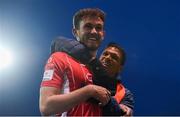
point(129, 111)
point(111, 60)
point(52, 102)
point(90, 33)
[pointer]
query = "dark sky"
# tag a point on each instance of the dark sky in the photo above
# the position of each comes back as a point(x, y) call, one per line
point(149, 31)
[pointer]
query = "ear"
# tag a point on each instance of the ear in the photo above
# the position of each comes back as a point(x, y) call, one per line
point(75, 33)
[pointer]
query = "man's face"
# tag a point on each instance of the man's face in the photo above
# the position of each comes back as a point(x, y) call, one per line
point(90, 32)
point(110, 59)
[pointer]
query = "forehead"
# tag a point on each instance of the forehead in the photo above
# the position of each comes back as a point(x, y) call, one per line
point(113, 50)
point(93, 20)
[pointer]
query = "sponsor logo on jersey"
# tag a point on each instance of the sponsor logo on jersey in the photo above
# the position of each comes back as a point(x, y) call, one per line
point(48, 75)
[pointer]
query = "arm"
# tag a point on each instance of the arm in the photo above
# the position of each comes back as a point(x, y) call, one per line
point(113, 108)
point(125, 108)
point(128, 99)
point(51, 102)
point(72, 47)
point(127, 104)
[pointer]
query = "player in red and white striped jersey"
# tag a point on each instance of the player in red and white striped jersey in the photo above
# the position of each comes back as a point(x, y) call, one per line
point(67, 84)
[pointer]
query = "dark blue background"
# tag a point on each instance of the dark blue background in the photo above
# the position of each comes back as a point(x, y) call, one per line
point(148, 30)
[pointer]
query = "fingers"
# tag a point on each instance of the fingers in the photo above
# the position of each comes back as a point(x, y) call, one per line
point(104, 98)
point(129, 111)
point(102, 95)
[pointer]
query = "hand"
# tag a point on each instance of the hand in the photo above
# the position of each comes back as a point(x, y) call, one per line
point(126, 109)
point(101, 94)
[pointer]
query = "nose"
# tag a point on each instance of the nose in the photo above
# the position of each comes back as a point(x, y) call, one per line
point(93, 30)
point(107, 58)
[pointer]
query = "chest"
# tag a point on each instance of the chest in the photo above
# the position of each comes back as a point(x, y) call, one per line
point(78, 75)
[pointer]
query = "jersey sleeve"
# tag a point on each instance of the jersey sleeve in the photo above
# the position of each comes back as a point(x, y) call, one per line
point(54, 71)
point(112, 108)
point(128, 99)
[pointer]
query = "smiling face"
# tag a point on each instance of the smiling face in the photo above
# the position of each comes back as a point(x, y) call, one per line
point(90, 32)
point(111, 60)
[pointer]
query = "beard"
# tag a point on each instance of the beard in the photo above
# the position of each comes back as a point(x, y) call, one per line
point(91, 41)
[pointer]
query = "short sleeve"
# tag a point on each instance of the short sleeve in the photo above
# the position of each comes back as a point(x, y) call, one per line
point(54, 71)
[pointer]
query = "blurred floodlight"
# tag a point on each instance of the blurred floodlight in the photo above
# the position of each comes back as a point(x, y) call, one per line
point(6, 58)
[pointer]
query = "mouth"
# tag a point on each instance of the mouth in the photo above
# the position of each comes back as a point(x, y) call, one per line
point(92, 39)
point(105, 65)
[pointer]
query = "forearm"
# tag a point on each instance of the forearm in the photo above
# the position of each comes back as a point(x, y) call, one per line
point(128, 99)
point(63, 102)
point(51, 102)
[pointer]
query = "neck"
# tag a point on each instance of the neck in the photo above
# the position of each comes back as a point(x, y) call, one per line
point(93, 54)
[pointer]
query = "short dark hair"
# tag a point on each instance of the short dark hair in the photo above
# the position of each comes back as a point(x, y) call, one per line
point(121, 51)
point(87, 12)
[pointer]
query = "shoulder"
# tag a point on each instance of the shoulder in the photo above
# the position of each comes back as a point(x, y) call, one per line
point(57, 60)
point(62, 59)
point(59, 57)
point(128, 91)
point(129, 94)
point(59, 54)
